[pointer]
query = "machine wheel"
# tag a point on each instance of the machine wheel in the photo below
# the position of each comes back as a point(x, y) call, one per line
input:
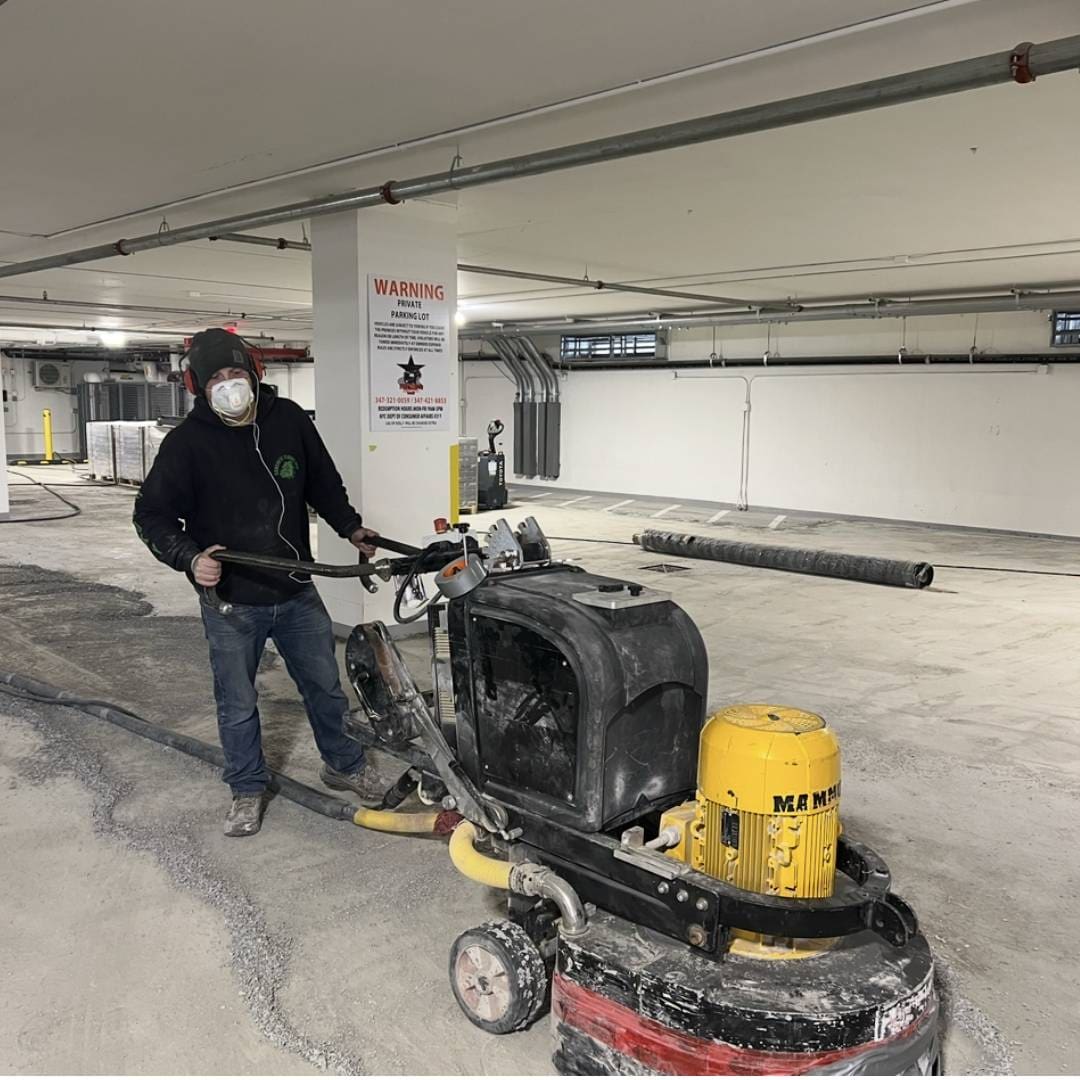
point(498, 977)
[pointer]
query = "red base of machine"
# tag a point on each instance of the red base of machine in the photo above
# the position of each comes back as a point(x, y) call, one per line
point(598, 1034)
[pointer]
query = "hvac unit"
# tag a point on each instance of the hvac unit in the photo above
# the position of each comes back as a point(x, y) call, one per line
point(50, 375)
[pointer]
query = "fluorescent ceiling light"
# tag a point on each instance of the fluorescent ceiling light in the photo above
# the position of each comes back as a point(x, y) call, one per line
point(113, 339)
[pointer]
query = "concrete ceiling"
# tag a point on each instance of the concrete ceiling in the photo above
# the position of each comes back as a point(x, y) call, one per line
point(137, 104)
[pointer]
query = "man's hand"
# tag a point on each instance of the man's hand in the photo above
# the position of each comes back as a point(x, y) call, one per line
point(361, 539)
point(206, 570)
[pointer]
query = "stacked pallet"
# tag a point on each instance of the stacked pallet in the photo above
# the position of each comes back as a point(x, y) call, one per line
point(122, 451)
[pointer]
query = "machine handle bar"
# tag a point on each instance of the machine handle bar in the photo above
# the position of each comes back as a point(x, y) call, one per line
point(290, 566)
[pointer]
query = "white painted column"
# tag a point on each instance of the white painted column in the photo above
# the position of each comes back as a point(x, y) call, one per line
point(398, 480)
point(5, 505)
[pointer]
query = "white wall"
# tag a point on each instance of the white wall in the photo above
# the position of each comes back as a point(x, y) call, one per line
point(294, 381)
point(984, 446)
point(24, 407)
point(5, 505)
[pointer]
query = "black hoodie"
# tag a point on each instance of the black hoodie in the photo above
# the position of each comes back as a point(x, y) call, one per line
point(209, 486)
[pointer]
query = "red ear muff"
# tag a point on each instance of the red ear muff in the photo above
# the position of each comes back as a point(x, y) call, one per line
point(190, 385)
point(257, 368)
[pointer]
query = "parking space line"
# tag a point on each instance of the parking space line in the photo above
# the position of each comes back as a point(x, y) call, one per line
point(615, 506)
point(667, 509)
point(717, 516)
point(775, 523)
point(580, 498)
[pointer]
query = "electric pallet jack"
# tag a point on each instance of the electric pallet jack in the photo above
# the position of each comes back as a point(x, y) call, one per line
point(680, 892)
point(491, 491)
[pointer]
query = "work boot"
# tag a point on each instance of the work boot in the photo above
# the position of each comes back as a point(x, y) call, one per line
point(245, 815)
point(364, 782)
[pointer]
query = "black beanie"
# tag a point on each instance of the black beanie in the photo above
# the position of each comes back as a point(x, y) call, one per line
point(212, 350)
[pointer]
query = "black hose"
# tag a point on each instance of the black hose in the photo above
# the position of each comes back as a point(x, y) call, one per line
point(399, 597)
point(594, 540)
point(1009, 570)
point(875, 571)
point(291, 789)
point(74, 509)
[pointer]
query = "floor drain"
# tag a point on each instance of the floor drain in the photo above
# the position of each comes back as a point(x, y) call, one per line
point(666, 568)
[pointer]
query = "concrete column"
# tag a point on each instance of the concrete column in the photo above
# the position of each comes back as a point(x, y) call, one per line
point(399, 480)
point(5, 505)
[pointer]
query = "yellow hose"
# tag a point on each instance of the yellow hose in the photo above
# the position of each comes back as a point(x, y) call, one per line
point(389, 821)
point(482, 868)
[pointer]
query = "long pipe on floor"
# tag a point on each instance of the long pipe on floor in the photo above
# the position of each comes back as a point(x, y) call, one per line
point(868, 568)
point(1021, 64)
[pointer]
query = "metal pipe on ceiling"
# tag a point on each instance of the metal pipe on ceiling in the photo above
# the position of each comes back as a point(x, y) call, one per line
point(104, 305)
point(884, 309)
point(448, 135)
point(279, 242)
point(1021, 64)
point(607, 286)
point(126, 331)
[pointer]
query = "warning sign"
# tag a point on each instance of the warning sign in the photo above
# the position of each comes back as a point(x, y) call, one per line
point(409, 338)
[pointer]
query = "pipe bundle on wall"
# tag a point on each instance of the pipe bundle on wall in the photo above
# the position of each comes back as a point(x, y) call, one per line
point(537, 409)
point(868, 568)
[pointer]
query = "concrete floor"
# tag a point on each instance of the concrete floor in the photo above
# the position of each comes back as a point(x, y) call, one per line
point(135, 938)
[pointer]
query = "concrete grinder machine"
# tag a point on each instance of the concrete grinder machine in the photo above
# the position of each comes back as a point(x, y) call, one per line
point(680, 891)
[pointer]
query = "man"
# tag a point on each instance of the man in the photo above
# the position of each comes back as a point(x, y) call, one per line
point(240, 472)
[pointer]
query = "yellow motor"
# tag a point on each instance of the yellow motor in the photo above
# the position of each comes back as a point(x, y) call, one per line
point(767, 817)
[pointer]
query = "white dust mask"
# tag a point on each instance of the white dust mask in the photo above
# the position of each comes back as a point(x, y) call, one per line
point(231, 397)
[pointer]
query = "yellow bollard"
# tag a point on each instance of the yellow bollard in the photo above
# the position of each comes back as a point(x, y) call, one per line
point(46, 426)
point(455, 482)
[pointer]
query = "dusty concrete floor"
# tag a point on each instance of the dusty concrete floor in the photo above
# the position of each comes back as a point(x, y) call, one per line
point(135, 938)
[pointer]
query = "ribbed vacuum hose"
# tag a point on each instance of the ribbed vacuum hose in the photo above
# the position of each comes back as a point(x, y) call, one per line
point(871, 569)
point(293, 790)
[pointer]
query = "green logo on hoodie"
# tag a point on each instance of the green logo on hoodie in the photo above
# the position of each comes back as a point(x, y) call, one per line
point(286, 467)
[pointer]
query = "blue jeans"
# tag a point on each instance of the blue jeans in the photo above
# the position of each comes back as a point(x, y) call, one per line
point(301, 629)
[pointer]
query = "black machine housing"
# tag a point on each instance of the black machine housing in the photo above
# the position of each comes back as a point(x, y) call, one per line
point(579, 715)
point(572, 704)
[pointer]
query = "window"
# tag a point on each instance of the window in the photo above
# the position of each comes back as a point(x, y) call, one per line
point(609, 346)
point(1066, 328)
